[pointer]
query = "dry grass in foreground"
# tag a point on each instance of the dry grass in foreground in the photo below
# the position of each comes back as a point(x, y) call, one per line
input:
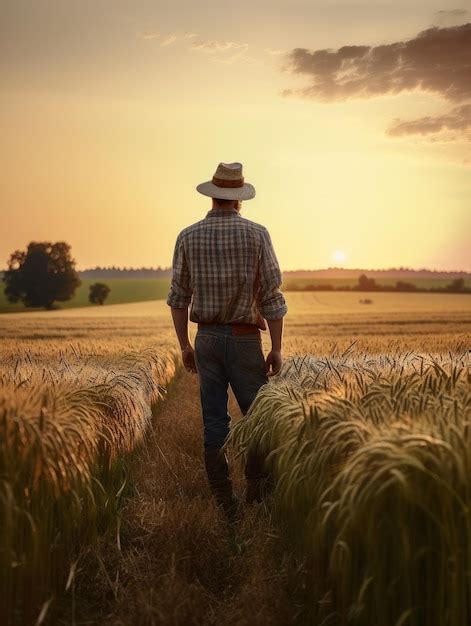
point(172, 562)
point(164, 559)
point(69, 419)
point(371, 456)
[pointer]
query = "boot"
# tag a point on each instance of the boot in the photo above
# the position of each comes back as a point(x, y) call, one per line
point(220, 483)
point(257, 478)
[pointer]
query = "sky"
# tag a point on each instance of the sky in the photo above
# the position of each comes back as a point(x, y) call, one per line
point(352, 120)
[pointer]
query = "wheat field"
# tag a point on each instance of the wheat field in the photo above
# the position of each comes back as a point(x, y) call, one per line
point(75, 402)
point(371, 457)
point(366, 432)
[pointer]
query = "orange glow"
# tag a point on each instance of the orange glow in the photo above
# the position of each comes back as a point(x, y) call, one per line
point(107, 131)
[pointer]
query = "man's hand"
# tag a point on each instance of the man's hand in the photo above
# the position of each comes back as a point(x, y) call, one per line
point(188, 356)
point(274, 362)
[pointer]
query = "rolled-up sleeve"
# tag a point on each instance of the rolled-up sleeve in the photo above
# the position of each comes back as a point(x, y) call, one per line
point(179, 296)
point(271, 301)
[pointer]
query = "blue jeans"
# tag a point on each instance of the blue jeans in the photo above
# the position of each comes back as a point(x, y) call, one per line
point(224, 359)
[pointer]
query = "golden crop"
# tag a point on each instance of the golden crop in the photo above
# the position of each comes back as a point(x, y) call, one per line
point(69, 417)
point(371, 456)
point(367, 436)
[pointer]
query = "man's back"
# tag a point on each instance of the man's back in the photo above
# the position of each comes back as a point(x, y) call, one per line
point(226, 268)
point(225, 264)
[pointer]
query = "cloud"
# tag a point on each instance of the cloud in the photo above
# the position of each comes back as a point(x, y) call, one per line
point(214, 45)
point(451, 16)
point(453, 12)
point(146, 34)
point(457, 119)
point(437, 61)
point(226, 52)
point(149, 35)
point(239, 56)
point(168, 40)
point(274, 51)
point(191, 35)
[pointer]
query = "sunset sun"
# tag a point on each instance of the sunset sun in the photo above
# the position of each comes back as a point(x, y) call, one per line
point(339, 256)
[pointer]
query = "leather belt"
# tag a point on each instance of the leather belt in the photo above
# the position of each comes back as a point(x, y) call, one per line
point(237, 329)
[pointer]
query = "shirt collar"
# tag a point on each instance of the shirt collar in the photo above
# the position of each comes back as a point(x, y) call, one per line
point(222, 212)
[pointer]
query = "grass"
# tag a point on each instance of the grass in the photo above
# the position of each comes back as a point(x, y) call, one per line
point(122, 290)
point(174, 563)
point(126, 290)
point(371, 457)
point(69, 419)
point(105, 512)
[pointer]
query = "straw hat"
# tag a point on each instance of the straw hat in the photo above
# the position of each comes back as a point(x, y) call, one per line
point(227, 184)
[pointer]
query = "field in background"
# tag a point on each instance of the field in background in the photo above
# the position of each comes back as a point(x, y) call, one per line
point(124, 290)
point(90, 375)
point(425, 283)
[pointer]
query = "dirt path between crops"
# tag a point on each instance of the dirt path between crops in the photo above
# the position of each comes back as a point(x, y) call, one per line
point(171, 562)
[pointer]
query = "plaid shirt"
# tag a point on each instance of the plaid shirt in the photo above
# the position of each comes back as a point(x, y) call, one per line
point(225, 265)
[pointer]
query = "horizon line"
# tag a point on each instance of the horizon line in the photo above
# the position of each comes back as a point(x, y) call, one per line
point(300, 269)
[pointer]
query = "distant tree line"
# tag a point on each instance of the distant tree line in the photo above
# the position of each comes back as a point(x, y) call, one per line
point(400, 273)
point(125, 272)
point(369, 284)
point(45, 273)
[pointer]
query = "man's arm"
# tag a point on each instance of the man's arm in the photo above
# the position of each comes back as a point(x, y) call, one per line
point(180, 321)
point(274, 358)
point(178, 299)
point(272, 302)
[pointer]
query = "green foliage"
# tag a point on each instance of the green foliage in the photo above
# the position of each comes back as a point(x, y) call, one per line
point(403, 285)
point(42, 275)
point(386, 284)
point(456, 285)
point(98, 293)
point(122, 290)
point(365, 283)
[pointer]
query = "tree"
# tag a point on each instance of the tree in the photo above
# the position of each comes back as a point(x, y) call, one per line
point(42, 275)
point(456, 285)
point(365, 283)
point(98, 293)
point(402, 285)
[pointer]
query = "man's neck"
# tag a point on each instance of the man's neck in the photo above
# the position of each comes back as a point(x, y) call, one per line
point(227, 207)
point(223, 212)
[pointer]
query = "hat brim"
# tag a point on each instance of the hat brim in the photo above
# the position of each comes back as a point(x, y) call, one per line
point(247, 192)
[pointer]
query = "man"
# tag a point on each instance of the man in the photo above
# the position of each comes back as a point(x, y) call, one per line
point(226, 267)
